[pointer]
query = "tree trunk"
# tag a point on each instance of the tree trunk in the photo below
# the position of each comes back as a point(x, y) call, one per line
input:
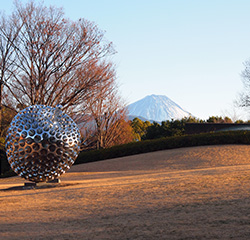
point(1, 111)
point(1, 90)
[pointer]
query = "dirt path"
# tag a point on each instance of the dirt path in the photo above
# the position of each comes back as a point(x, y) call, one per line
point(189, 193)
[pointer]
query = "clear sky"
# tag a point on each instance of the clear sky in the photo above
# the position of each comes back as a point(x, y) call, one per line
point(191, 51)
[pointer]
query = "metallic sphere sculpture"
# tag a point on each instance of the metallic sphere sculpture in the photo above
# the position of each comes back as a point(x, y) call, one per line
point(42, 143)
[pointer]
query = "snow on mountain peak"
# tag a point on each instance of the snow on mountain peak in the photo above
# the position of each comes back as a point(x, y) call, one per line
point(157, 108)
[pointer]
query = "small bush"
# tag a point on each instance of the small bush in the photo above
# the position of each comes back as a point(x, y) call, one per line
point(5, 170)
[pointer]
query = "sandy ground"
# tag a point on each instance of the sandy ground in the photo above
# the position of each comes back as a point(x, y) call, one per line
point(189, 193)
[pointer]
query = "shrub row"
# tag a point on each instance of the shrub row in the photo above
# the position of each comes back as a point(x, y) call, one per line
point(233, 137)
point(218, 138)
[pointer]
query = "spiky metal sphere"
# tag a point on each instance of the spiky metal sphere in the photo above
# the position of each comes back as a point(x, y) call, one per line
point(42, 143)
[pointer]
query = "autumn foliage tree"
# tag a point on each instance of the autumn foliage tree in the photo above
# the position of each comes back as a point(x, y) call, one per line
point(107, 123)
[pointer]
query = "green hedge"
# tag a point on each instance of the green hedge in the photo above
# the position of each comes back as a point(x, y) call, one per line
point(233, 137)
point(218, 138)
point(5, 170)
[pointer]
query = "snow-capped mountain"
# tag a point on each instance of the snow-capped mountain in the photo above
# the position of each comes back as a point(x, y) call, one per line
point(157, 108)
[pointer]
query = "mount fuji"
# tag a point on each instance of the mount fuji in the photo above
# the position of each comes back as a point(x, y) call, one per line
point(156, 108)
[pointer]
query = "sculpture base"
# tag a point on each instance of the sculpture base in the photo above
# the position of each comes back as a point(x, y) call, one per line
point(39, 184)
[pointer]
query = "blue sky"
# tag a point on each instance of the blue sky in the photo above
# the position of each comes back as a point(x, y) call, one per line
point(191, 51)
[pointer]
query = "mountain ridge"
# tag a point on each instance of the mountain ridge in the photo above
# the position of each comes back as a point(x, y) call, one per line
point(157, 108)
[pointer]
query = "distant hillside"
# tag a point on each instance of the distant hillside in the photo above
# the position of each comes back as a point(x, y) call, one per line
point(157, 108)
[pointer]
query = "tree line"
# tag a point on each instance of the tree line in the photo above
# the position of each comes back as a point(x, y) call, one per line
point(145, 130)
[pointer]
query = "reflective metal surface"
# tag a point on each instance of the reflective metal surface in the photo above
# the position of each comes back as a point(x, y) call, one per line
point(42, 143)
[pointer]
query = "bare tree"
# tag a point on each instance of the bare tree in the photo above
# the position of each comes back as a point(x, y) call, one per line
point(235, 113)
point(244, 97)
point(107, 115)
point(54, 58)
point(108, 125)
point(119, 130)
point(8, 35)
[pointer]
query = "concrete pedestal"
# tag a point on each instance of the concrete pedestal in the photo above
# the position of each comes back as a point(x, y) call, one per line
point(39, 184)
